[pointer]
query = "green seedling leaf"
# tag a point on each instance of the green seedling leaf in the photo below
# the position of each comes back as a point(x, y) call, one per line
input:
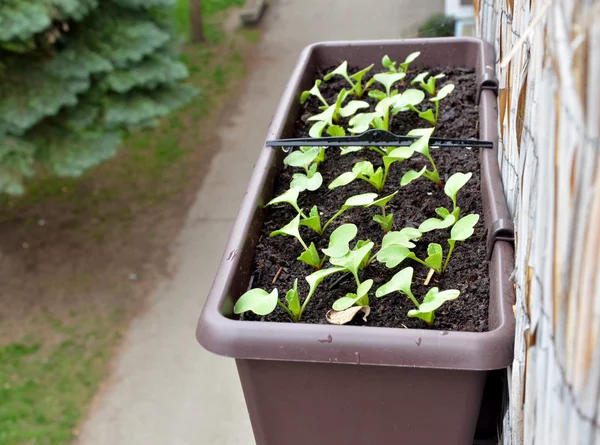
point(387, 63)
point(343, 179)
point(341, 70)
point(302, 159)
point(315, 278)
point(379, 123)
point(439, 76)
point(377, 94)
point(353, 259)
point(454, 184)
point(359, 75)
point(365, 261)
point(258, 301)
point(397, 154)
point(352, 107)
point(421, 145)
point(290, 196)
point(397, 239)
point(360, 200)
point(436, 224)
point(347, 150)
point(382, 202)
point(311, 256)
point(393, 255)
point(316, 131)
point(339, 240)
point(434, 257)
point(291, 229)
point(411, 175)
point(386, 222)
point(434, 298)
point(336, 130)
point(384, 105)
point(442, 211)
point(409, 59)
point(388, 80)
point(361, 296)
point(463, 228)
point(361, 122)
point(446, 89)
point(326, 116)
point(427, 115)
point(420, 78)
point(376, 179)
point(314, 91)
point(432, 301)
point(302, 182)
point(364, 168)
point(406, 100)
point(411, 233)
point(399, 283)
point(293, 301)
point(313, 221)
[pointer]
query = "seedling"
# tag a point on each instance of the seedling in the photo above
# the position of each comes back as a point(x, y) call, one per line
point(290, 197)
point(360, 298)
point(314, 91)
point(428, 85)
point(387, 80)
point(339, 241)
point(314, 221)
point(380, 118)
point(263, 303)
point(361, 170)
point(422, 146)
point(311, 181)
point(403, 68)
point(333, 113)
point(401, 282)
point(354, 80)
point(310, 255)
point(396, 247)
point(461, 231)
point(428, 114)
point(451, 189)
point(386, 221)
point(304, 158)
point(355, 260)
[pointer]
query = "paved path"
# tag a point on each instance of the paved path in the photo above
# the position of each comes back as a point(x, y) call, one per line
point(166, 390)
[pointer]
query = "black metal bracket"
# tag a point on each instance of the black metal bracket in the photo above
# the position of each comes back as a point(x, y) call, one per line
point(488, 82)
point(502, 230)
point(375, 138)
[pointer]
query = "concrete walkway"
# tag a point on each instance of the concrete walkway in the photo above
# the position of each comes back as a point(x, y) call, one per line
point(166, 390)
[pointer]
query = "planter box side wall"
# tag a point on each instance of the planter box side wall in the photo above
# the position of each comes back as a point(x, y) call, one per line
point(323, 396)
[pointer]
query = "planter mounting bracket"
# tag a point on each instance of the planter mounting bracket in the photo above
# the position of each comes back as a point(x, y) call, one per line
point(502, 230)
point(488, 82)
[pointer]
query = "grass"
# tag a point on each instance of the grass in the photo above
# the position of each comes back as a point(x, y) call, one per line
point(45, 388)
point(49, 375)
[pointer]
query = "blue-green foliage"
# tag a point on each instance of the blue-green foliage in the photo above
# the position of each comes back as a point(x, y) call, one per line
point(74, 74)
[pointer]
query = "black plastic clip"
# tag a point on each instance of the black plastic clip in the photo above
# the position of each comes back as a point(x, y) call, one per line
point(502, 230)
point(488, 82)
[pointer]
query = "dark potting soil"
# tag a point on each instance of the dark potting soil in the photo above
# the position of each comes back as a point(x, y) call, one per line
point(468, 268)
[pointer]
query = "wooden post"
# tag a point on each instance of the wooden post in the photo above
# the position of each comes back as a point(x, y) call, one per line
point(197, 28)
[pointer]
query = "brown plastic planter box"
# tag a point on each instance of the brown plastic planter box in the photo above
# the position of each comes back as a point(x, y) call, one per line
point(308, 384)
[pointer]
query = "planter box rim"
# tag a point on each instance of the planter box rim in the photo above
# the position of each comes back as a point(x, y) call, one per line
point(366, 345)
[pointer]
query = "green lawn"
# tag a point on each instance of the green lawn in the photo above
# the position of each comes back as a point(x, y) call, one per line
point(50, 373)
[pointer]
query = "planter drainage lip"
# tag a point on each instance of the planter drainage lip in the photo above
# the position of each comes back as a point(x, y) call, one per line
point(218, 332)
